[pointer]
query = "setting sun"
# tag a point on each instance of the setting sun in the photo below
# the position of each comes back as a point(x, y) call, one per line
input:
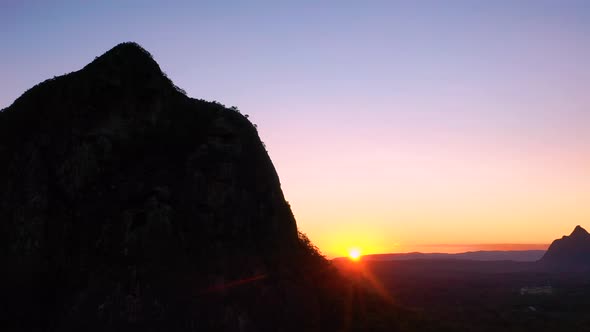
point(354, 254)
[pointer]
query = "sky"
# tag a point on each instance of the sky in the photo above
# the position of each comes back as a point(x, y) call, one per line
point(394, 126)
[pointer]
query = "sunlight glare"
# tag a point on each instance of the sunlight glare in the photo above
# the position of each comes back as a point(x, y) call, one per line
point(354, 254)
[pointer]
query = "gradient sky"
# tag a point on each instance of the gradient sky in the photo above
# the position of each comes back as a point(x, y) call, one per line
point(394, 126)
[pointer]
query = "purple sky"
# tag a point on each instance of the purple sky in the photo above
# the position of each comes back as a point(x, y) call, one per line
point(391, 124)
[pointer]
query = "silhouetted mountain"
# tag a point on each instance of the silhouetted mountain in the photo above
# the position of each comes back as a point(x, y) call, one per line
point(569, 252)
point(494, 255)
point(126, 205)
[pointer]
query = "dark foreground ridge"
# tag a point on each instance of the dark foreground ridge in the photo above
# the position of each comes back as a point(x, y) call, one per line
point(126, 205)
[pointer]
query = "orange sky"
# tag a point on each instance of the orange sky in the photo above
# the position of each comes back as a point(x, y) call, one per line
point(434, 198)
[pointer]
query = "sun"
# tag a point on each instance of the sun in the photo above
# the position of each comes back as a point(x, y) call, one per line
point(354, 254)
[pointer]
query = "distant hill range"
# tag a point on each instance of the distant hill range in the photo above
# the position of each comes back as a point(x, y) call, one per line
point(569, 252)
point(517, 256)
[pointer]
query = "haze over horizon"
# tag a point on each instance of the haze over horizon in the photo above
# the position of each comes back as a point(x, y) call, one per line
point(393, 127)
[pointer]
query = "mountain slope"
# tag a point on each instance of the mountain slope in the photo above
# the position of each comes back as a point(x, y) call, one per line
point(126, 205)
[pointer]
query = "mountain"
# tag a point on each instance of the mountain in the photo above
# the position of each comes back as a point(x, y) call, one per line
point(494, 255)
point(126, 205)
point(569, 252)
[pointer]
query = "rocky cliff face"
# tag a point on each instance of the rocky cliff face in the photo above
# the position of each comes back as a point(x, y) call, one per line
point(570, 252)
point(126, 205)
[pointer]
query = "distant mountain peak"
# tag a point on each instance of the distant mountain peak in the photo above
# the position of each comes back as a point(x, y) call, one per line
point(571, 251)
point(579, 231)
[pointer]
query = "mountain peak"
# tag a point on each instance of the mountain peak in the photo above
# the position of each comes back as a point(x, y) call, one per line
point(130, 45)
point(571, 251)
point(141, 182)
point(128, 49)
point(579, 231)
point(127, 57)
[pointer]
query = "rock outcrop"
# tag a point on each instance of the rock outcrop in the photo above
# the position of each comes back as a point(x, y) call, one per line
point(570, 252)
point(126, 205)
